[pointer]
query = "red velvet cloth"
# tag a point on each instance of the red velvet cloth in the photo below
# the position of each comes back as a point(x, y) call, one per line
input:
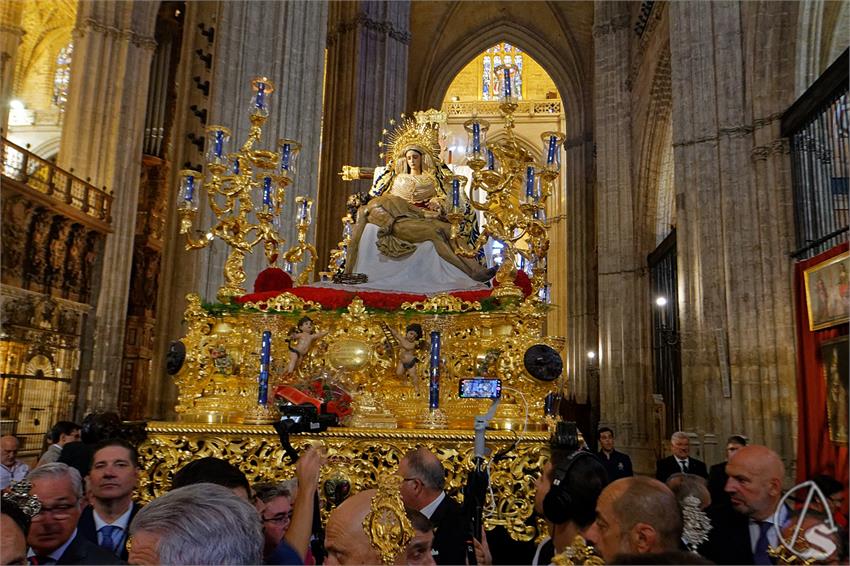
point(332, 299)
point(816, 454)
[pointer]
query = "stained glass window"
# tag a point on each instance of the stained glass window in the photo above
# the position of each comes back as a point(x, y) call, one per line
point(62, 77)
point(501, 52)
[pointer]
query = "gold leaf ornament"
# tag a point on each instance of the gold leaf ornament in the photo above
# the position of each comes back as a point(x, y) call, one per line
point(387, 526)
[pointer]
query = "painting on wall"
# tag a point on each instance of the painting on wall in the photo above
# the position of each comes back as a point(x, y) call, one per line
point(835, 359)
point(828, 292)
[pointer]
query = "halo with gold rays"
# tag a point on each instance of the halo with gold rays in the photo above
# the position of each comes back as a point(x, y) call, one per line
point(421, 132)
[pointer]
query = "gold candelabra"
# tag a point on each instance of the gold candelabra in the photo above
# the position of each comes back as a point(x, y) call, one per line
point(517, 189)
point(245, 191)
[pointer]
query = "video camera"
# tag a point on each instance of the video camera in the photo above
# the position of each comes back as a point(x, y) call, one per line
point(565, 437)
point(304, 418)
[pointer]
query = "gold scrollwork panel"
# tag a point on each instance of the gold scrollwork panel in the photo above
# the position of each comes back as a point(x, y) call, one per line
point(357, 456)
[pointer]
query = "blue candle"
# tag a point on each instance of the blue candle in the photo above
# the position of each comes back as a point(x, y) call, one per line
point(267, 191)
point(219, 143)
point(476, 137)
point(265, 362)
point(236, 166)
point(434, 385)
point(285, 155)
point(491, 160)
point(529, 182)
point(550, 155)
point(507, 83)
point(302, 212)
point(260, 102)
point(455, 193)
point(188, 188)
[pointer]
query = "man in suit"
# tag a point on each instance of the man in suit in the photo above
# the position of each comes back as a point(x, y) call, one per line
point(680, 461)
point(423, 479)
point(113, 478)
point(53, 536)
point(60, 434)
point(717, 473)
point(617, 464)
point(743, 530)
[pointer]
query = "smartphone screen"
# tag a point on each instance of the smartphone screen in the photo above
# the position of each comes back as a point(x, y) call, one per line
point(480, 388)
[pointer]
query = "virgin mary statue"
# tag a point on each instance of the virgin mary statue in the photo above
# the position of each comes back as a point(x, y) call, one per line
point(401, 238)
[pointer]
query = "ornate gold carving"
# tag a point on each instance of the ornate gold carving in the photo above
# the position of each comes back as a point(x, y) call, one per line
point(285, 302)
point(442, 302)
point(579, 552)
point(362, 454)
point(387, 526)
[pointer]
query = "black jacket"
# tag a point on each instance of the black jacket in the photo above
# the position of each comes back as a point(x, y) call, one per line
point(87, 530)
point(618, 465)
point(81, 551)
point(450, 533)
point(668, 466)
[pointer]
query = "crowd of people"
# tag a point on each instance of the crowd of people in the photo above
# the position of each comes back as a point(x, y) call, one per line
point(74, 510)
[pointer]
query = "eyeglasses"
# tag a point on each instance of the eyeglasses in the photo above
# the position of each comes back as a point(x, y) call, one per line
point(59, 512)
point(410, 479)
point(279, 519)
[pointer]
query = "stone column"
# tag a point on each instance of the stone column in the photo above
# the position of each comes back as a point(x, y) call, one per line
point(579, 277)
point(11, 33)
point(625, 378)
point(365, 87)
point(101, 139)
point(283, 41)
point(733, 203)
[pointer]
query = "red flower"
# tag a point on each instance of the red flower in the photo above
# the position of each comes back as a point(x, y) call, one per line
point(272, 279)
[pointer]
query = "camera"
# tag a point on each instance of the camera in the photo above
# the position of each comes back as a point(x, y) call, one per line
point(304, 418)
point(565, 437)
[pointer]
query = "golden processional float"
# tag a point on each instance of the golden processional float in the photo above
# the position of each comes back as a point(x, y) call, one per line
point(383, 367)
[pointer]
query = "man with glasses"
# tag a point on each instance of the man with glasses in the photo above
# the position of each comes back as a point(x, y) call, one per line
point(275, 506)
point(53, 537)
point(113, 479)
point(423, 479)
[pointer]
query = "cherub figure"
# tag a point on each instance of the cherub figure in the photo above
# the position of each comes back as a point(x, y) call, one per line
point(407, 360)
point(300, 341)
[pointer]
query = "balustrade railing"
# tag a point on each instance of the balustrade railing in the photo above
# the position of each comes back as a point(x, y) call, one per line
point(491, 108)
point(61, 186)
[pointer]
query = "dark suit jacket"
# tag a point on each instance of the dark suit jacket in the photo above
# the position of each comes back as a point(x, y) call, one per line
point(729, 539)
point(618, 466)
point(668, 466)
point(81, 551)
point(86, 528)
point(717, 484)
point(450, 532)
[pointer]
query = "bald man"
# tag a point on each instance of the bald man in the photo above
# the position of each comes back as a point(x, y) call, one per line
point(346, 542)
point(636, 515)
point(11, 469)
point(744, 529)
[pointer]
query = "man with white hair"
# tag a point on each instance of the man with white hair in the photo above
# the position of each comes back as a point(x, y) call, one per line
point(680, 461)
point(53, 537)
point(201, 523)
point(11, 469)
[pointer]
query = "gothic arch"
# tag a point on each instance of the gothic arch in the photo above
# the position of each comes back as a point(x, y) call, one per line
point(445, 62)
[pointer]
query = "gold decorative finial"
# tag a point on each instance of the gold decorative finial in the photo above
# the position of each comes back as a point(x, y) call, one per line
point(579, 552)
point(387, 525)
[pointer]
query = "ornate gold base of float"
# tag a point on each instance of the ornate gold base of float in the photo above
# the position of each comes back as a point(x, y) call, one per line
point(218, 392)
point(356, 456)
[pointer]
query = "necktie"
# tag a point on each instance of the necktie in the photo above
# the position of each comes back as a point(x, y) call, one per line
point(684, 464)
point(39, 559)
point(110, 536)
point(761, 556)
